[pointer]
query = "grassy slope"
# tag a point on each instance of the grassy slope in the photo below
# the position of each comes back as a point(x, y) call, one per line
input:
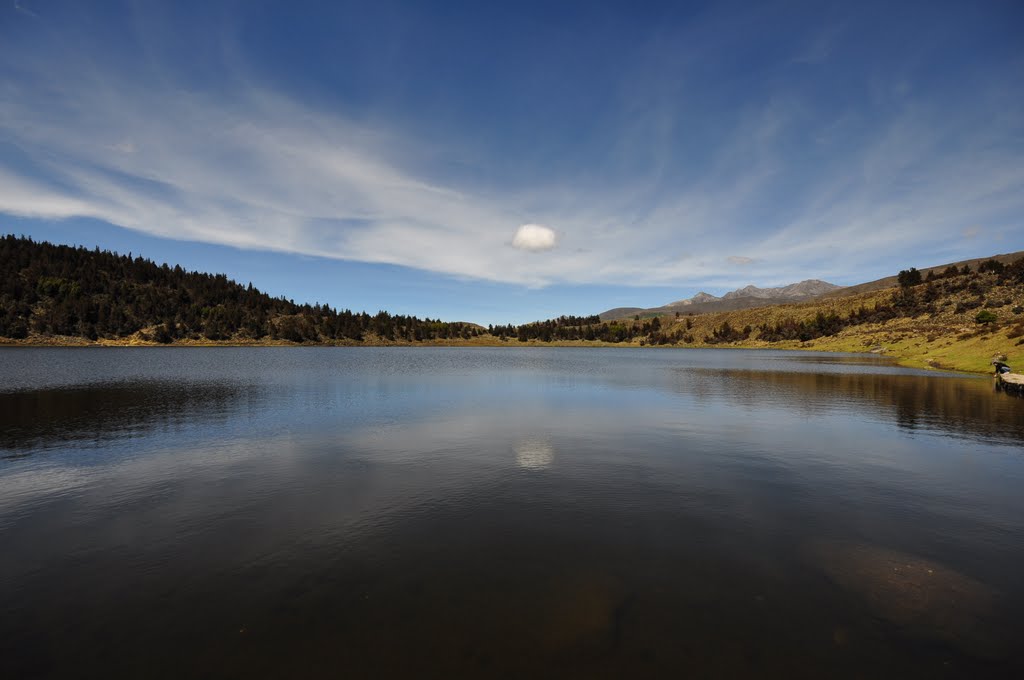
point(891, 281)
point(946, 340)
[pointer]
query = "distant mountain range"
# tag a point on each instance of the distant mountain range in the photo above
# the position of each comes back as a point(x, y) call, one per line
point(752, 296)
point(741, 298)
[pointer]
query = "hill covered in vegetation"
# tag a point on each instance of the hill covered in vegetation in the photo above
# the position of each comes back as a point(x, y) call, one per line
point(58, 294)
point(49, 291)
point(957, 317)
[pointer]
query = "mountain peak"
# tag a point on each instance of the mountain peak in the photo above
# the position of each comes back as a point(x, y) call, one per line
point(741, 298)
point(696, 299)
point(809, 287)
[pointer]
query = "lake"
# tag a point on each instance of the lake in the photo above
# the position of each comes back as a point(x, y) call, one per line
point(505, 512)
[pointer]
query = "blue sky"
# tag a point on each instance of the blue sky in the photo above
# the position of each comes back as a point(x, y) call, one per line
point(384, 155)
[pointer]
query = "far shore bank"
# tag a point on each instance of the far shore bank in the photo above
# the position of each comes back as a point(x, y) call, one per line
point(962, 357)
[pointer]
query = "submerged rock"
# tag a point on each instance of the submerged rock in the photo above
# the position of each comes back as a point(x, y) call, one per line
point(925, 598)
point(583, 609)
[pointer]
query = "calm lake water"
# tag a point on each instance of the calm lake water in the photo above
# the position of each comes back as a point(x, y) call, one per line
point(519, 512)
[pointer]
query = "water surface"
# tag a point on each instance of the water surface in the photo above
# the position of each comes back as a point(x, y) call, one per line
point(519, 512)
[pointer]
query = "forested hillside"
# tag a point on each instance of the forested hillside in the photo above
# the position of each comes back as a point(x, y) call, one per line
point(56, 290)
point(52, 294)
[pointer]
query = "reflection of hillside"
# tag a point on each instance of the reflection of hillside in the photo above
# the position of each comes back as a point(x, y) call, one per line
point(41, 418)
point(953, 405)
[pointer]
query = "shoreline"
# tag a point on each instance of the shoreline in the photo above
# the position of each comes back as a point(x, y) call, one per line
point(907, 360)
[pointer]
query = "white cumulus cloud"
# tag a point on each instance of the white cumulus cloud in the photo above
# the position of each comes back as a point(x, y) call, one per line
point(535, 238)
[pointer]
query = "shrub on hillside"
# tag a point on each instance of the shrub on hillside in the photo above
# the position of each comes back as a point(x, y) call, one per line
point(726, 333)
point(985, 317)
point(994, 266)
point(909, 277)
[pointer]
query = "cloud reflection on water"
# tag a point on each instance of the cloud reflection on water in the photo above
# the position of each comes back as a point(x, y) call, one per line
point(534, 454)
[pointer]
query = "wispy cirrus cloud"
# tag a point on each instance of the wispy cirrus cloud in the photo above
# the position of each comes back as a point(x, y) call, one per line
point(739, 260)
point(803, 192)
